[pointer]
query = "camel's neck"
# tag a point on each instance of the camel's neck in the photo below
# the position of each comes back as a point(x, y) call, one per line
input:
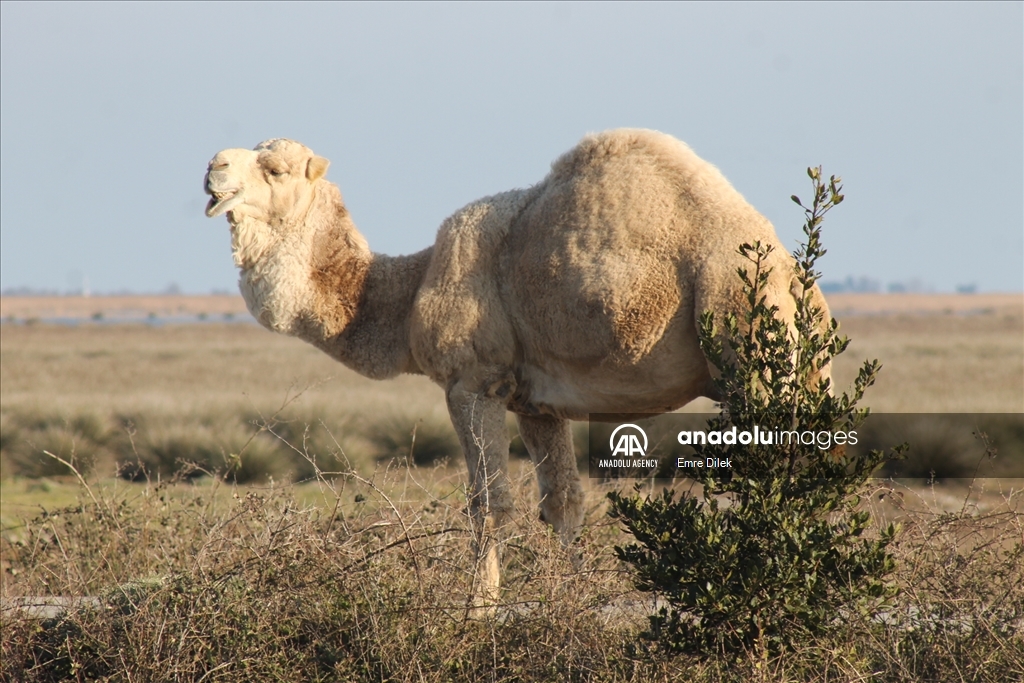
point(374, 341)
point(333, 293)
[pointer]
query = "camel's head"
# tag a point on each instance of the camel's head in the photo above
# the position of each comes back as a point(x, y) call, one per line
point(273, 183)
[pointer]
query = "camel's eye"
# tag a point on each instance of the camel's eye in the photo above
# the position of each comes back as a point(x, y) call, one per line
point(274, 167)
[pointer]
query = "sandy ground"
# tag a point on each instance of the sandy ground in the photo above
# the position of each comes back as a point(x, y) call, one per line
point(146, 306)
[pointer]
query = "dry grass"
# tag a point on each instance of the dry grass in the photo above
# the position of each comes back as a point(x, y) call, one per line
point(371, 578)
point(939, 362)
point(176, 368)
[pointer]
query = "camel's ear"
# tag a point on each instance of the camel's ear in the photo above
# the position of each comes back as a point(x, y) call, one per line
point(317, 168)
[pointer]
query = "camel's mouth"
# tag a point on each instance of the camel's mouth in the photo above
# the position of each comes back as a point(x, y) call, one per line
point(222, 201)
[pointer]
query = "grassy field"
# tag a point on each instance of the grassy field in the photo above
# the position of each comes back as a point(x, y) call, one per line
point(367, 575)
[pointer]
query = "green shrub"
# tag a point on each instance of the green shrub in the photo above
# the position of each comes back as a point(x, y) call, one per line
point(774, 551)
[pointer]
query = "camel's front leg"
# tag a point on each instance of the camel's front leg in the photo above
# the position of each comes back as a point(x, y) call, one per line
point(479, 421)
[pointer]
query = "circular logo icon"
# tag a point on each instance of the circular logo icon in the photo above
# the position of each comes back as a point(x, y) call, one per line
point(628, 444)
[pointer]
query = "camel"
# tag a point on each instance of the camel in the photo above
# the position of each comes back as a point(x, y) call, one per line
point(578, 295)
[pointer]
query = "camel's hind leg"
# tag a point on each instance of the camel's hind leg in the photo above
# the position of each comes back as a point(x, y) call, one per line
point(549, 441)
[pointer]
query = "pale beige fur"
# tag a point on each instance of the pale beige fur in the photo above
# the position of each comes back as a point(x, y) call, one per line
point(578, 295)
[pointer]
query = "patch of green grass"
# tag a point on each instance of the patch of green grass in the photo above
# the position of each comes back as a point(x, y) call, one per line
point(22, 499)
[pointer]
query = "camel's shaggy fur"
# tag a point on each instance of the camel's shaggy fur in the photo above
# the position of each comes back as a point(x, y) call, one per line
point(578, 295)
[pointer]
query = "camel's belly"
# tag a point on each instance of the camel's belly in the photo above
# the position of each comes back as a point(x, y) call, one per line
point(567, 392)
point(665, 373)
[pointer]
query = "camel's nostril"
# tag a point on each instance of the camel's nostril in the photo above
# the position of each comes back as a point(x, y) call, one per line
point(218, 167)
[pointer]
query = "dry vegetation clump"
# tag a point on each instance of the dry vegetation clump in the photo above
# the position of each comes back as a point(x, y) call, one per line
point(26, 436)
point(373, 581)
point(959, 614)
point(240, 444)
point(371, 584)
point(139, 445)
point(950, 446)
point(424, 441)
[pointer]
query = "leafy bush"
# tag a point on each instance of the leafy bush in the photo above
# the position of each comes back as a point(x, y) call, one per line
point(776, 550)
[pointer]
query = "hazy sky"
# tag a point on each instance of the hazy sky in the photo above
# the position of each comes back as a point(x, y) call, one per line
point(110, 112)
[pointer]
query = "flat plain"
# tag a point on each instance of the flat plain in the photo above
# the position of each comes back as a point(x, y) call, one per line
point(940, 353)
